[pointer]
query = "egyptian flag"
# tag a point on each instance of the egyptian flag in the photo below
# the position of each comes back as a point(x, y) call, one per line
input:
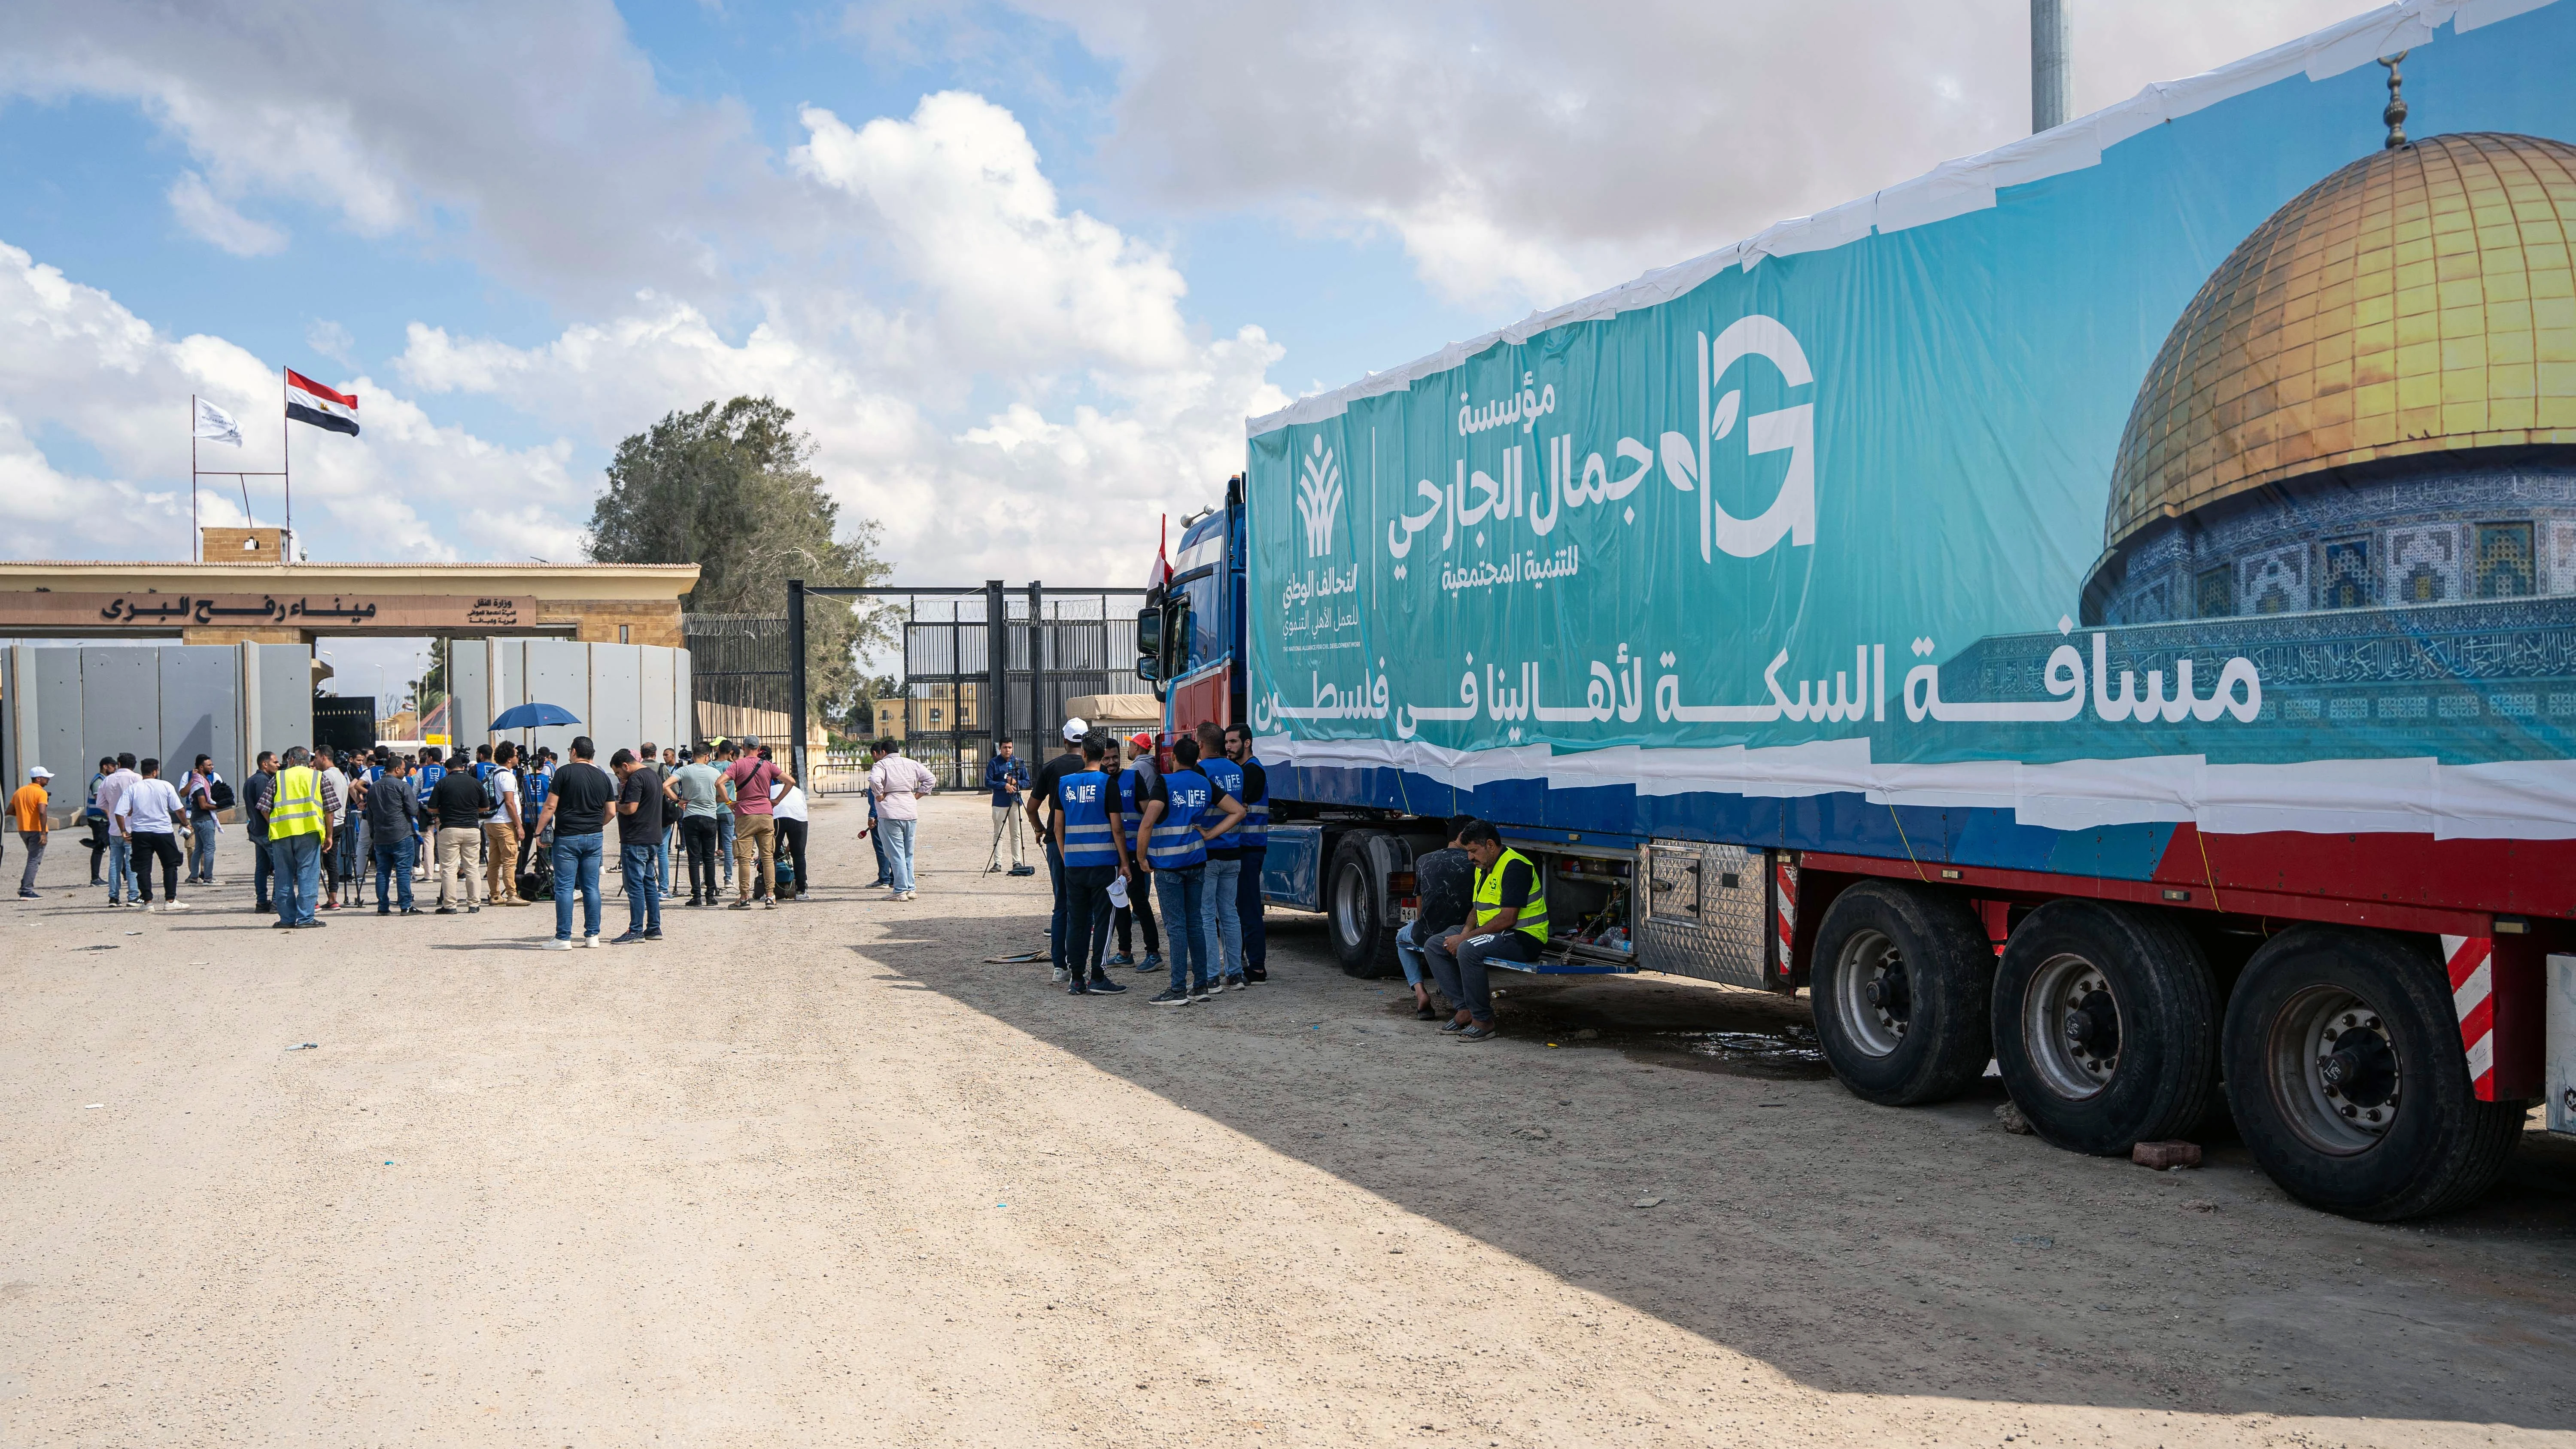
point(308, 401)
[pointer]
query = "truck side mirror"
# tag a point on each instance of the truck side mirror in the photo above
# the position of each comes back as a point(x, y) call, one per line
point(1149, 633)
point(1145, 667)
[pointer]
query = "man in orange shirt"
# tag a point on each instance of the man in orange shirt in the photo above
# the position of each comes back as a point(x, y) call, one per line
point(27, 811)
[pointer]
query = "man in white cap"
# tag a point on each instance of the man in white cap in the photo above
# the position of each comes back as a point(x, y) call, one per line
point(27, 812)
point(1042, 793)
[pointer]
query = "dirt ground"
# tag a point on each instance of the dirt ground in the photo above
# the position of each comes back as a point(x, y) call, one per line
point(821, 1175)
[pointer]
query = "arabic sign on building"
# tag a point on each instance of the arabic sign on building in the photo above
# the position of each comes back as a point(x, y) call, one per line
point(114, 613)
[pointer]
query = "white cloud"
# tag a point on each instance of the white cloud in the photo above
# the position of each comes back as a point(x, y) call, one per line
point(73, 359)
point(331, 340)
point(212, 218)
point(1531, 151)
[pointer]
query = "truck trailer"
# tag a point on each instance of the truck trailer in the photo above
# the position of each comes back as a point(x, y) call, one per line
point(2105, 608)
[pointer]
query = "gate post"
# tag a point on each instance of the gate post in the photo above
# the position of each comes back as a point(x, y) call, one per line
point(997, 663)
point(796, 683)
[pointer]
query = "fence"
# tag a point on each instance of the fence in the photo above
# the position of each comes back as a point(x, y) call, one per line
point(739, 674)
point(1059, 644)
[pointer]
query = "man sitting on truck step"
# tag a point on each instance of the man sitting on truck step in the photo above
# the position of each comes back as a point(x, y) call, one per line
point(1443, 882)
point(1508, 923)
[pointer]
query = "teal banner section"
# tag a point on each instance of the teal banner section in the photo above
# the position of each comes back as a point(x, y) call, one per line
point(2253, 443)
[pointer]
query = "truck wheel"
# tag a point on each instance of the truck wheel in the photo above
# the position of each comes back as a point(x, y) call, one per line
point(1355, 906)
point(2106, 1026)
point(1900, 992)
point(2348, 1081)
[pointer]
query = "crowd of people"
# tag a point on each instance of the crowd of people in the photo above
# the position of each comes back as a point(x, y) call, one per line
point(498, 827)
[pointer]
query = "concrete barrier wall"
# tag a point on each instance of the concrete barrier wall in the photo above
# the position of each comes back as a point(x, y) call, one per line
point(625, 694)
point(67, 706)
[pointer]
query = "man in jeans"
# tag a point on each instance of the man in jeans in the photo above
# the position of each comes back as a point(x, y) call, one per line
point(639, 842)
point(257, 793)
point(755, 828)
point(897, 785)
point(577, 812)
point(393, 831)
point(1174, 811)
point(1443, 882)
point(1225, 861)
point(457, 802)
point(299, 830)
point(27, 812)
point(203, 831)
point(120, 850)
point(701, 793)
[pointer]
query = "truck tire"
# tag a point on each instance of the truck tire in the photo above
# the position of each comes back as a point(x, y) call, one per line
point(2347, 1078)
point(1900, 993)
point(2106, 1026)
point(1356, 910)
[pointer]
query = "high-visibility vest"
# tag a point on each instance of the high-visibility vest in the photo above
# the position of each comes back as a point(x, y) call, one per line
point(1227, 777)
point(1177, 844)
point(297, 807)
point(1489, 896)
point(1130, 813)
point(1082, 831)
point(1254, 831)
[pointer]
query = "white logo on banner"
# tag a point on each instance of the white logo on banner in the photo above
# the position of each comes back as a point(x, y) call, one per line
point(1319, 497)
point(1792, 515)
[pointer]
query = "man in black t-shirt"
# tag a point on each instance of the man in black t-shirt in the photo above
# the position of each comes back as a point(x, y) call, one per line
point(577, 811)
point(639, 840)
point(457, 803)
point(1444, 886)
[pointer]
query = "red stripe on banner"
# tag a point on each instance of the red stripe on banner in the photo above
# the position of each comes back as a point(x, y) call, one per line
point(302, 383)
point(2467, 957)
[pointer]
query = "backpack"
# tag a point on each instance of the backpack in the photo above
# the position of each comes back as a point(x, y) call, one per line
point(221, 794)
point(491, 793)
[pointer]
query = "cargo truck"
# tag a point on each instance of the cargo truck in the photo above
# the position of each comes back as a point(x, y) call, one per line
point(2105, 608)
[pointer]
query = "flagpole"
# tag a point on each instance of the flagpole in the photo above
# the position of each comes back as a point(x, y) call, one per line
point(196, 528)
point(286, 445)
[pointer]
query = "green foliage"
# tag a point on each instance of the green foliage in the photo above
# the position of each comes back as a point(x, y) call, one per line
point(729, 487)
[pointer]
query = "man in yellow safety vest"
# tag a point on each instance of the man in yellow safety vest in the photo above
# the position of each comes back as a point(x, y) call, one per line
point(1508, 922)
point(299, 830)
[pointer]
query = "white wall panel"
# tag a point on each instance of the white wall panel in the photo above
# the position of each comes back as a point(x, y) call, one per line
point(655, 722)
point(616, 702)
point(559, 673)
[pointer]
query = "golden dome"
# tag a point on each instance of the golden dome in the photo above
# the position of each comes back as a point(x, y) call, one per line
point(2419, 300)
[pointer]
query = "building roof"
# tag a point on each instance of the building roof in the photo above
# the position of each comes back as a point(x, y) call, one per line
point(2419, 300)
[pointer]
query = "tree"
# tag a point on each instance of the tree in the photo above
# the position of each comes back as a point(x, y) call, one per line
point(729, 487)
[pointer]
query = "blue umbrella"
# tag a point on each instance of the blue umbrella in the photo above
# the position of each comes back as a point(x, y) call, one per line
point(533, 716)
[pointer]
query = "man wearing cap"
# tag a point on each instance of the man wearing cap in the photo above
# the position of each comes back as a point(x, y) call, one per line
point(27, 810)
point(1068, 763)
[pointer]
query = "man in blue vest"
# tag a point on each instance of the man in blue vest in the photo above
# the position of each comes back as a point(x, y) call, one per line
point(1225, 861)
point(1094, 847)
point(1254, 835)
point(1139, 910)
point(1181, 811)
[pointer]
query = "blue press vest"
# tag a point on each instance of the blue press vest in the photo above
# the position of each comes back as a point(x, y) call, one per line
point(1130, 814)
point(1082, 820)
point(1227, 777)
point(430, 775)
point(1177, 843)
point(1254, 831)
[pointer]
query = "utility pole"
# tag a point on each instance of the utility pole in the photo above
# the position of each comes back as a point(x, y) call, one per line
point(2051, 69)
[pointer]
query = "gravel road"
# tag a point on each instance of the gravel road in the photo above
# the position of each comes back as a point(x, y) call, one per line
point(821, 1175)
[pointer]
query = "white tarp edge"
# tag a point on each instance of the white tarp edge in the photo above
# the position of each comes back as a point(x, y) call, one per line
point(1955, 188)
point(2517, 800)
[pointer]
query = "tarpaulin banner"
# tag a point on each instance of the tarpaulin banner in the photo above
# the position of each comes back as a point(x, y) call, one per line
point(2210, 455)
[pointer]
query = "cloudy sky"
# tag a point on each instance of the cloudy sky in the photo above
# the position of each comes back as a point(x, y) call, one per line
point(1023, 270)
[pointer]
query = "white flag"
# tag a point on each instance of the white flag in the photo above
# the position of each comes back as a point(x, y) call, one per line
point(216, 425)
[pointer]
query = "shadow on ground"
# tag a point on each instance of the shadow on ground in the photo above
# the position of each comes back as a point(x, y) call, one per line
point(1855, 1248)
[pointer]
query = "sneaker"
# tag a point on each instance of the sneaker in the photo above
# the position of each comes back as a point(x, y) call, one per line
point(1059, 976)
point(1077, 988)
point(1024, 870)
point(1238, 983)
point(1153, 962)
point(384, 910)
point(1453, 1026)
point(30, 896)
point(905, 895)
point(627, 938)
point(174, 905)
point(770, 904)
point(558, 944)
point(739, 906)
point(1169, 996)
point(1202, 992)
point(410, 911)
point(1121, 959)
point(1257, 973)
point(653, 935)
point(263, 908)
point(473, 910)
point(281, 925)
point(310, 925)
point(1478, 1032)
point(591, 942)
point(1103, 983)
point(446, 910)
